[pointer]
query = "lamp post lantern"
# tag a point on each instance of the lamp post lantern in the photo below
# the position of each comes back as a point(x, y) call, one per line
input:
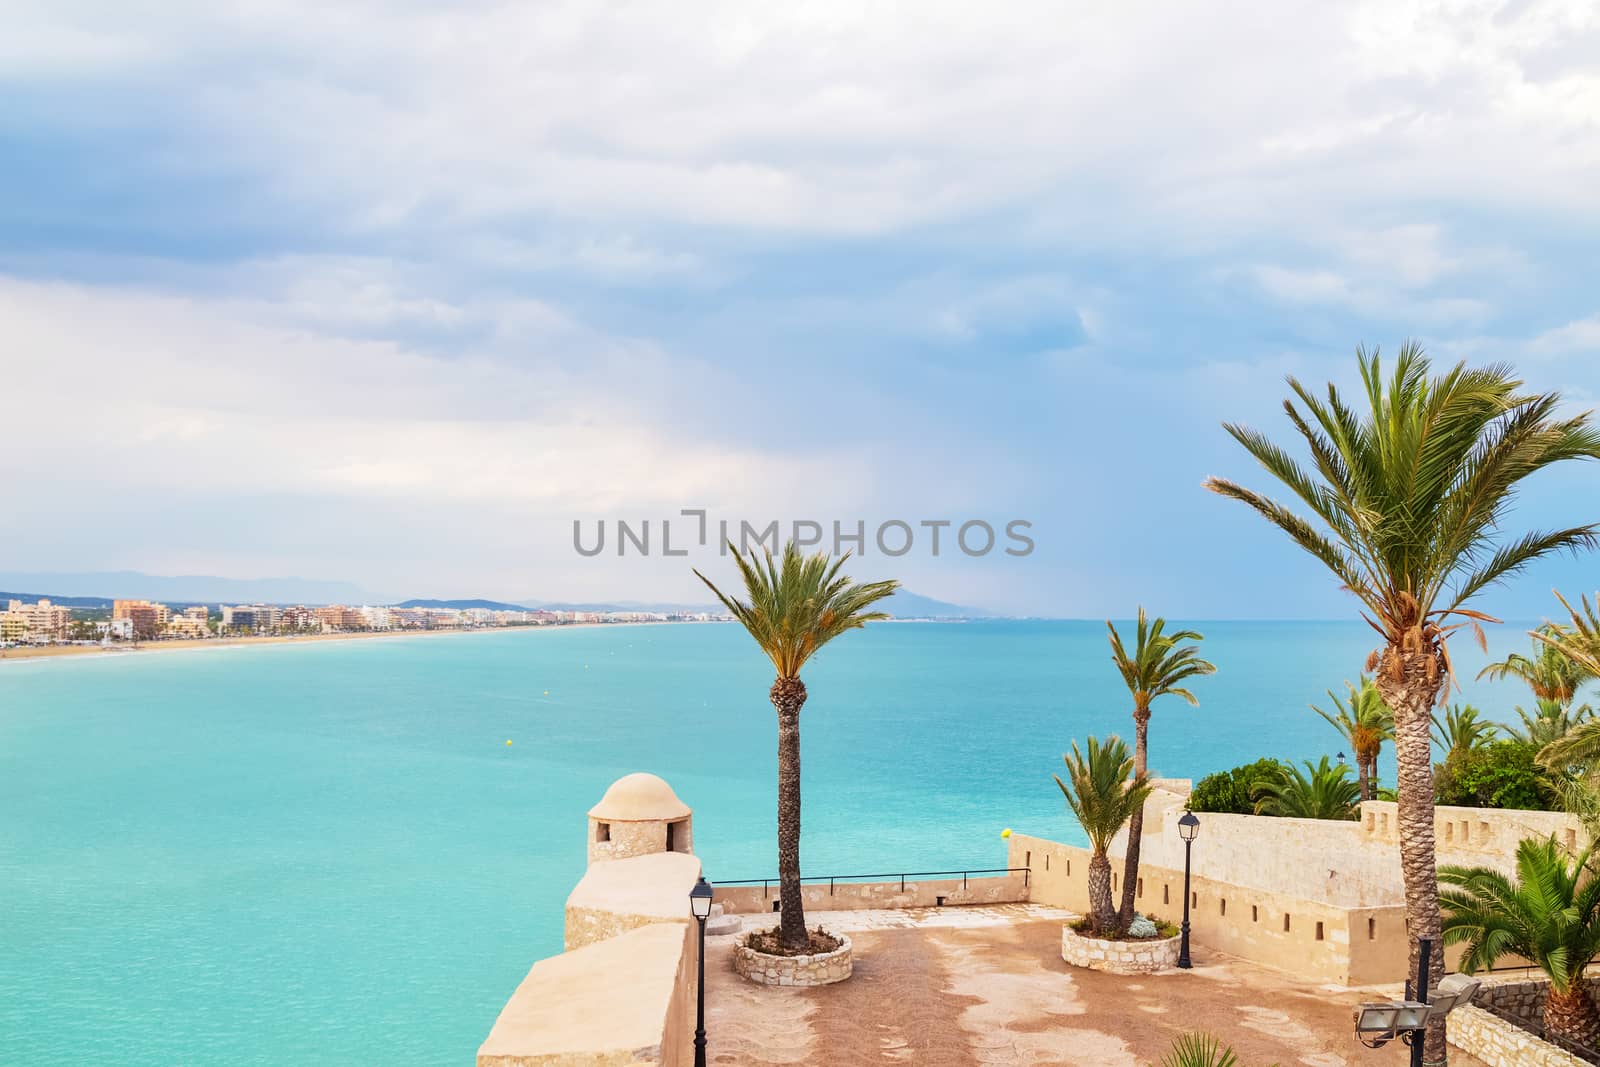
point(700, 906)
point(1188, 829)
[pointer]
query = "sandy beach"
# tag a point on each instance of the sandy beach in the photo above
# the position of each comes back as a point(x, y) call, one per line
point(31, 652)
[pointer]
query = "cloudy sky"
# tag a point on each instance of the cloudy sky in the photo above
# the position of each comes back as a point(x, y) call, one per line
point(392, 293)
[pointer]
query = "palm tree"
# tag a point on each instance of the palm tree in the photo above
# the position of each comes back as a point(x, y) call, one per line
point(793, 610)
point(1550, 673)
point(1326, 792)
point(1461, 730)
point(1410, 499)
point(1105, 793)
point(1550, 916)
point(1550, 721)
point(1366, 723)
point(1159, 664)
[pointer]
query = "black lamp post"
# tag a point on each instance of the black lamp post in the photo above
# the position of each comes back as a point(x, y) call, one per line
point(700, 906)
point(1188, 829)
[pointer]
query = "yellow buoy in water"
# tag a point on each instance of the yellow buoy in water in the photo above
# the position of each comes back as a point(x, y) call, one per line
point(547, 692)
point(1003, 833)
point(508, 745)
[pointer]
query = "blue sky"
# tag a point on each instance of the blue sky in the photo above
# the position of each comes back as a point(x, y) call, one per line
point(393, 294)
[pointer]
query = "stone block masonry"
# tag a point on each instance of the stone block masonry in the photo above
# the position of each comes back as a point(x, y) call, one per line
point(822, 969)
point(1118, 957)
point(1499, 1043)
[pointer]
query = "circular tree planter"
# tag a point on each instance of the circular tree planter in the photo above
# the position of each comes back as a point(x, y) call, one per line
point(1119, 957)
point(823, 968)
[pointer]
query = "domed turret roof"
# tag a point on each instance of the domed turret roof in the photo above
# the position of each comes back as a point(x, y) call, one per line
point(639, 798)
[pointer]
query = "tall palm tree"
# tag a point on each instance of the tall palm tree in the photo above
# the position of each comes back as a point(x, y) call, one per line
point(1366, 723)
point(794, 608)
point(1160, 663)
point(1550, 916)
point(1410, 499)
point(1462, 730)
point(1105, 792)
point(1549, 672)
point(1324, 792)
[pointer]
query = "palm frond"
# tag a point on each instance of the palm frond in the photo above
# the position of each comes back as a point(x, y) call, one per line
point(1323, 791)
point(1549, 915)
point(1104, 791)
point(795, 607)
point(1408, 493)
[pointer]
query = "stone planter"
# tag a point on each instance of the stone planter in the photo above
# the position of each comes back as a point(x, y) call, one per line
point(824, 968)
point(1119, 957)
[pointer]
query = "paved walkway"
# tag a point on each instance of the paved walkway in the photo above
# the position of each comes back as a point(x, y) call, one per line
point(986, 987)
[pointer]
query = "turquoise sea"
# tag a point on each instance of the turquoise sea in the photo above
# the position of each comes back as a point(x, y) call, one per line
point(326, 853)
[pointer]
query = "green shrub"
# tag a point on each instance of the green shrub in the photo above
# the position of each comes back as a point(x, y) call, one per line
point(1503, 774)
point(1234, 791)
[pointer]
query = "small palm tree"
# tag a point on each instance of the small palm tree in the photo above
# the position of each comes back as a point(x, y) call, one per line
point(1549, 722)
point(1550, 916)
point(1461, 730)
point(1409, 493)
point(793, 610)
point(1549, 672)
point(1578, 642)
point(1324, 792)
point(1196, 1049)
point(1105, 792)
point(1366, 723)
point(1160, 664)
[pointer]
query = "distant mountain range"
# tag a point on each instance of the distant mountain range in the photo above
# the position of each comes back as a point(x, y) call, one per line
point(462, 605)
point(902, 605)
point(64, 601)
point(95, 590)
point(908, 605)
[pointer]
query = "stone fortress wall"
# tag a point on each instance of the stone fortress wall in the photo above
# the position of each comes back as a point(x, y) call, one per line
point(624, 990)
point(1317, 896)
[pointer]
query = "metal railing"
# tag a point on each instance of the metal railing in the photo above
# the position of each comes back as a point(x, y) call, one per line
point(903, 877)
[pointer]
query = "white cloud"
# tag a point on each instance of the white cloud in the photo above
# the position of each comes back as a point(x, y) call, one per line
point(187, 397)
point(1368, 298)
point(836, 117)
point(1580, 335)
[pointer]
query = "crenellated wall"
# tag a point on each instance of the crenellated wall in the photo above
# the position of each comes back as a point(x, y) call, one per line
point(1323, 897)
point(1348, 946)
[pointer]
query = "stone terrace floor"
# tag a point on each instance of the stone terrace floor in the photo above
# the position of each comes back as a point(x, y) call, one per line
point(986, 987)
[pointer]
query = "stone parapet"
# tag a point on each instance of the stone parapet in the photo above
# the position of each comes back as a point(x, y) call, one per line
point(621, 895)
point(625, 1001)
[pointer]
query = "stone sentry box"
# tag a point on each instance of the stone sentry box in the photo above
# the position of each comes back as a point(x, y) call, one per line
point(639, 815)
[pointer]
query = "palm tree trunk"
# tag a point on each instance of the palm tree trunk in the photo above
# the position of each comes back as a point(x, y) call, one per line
point(1130, 864)
point(788, 696)
point(1364, 773)
point(1101, 914)
point(1572, 1015)
point(1409, 683)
